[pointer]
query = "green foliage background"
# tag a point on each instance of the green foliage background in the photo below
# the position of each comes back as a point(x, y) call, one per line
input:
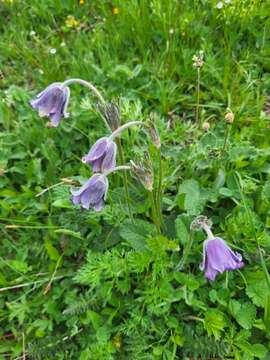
point(93, 286)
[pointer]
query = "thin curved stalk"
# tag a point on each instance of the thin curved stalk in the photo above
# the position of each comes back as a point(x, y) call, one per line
point(122, 161)
point(88, 85)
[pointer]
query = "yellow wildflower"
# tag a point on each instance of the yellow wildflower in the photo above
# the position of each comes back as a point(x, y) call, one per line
point(71, 22)
point(81, 2)
point(115, 10)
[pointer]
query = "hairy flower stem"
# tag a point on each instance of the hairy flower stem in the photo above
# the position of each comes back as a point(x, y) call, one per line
point(122, 161)
point(117, 168)
point(118, 131)
point(226, 137)
point(88, 85)
point(198, 94)
point(154, 212)
point(92, 88)
point(159, 188)
point(264, 267)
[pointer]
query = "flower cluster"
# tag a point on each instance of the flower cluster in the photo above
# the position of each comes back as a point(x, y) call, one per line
point(52, 103)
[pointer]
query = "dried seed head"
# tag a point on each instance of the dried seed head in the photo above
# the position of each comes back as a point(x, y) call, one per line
point(206, 126)
point(197, 224)
point(144, 172)
point(154, 134)
point(111, 113)
point(229, 116)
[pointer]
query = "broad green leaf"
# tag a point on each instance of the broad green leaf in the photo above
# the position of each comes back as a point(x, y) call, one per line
point(136, 234)
point(181, 230)
point(193, 203)
point(244, 314)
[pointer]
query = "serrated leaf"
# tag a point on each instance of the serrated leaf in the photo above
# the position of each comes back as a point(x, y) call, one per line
point(257, 292)
point(214, 323)
point(244, 314)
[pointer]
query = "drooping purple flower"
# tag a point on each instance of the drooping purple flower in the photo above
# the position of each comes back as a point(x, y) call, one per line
point(218, 257)
point(92, 194)
point(102, 155)
point(52, 102)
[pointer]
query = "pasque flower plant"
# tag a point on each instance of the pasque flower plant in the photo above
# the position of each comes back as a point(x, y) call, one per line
point(52, 102)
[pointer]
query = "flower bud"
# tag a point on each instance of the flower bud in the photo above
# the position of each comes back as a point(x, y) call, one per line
point(206, 126)
point(144, 173)
point(229, 117)
point(154, 135)
point(111, 114)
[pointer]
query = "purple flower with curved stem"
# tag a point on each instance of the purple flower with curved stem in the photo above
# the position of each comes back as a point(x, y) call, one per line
point(52, 102)
point(92, 194)
point(102, 155)
point(218, 256)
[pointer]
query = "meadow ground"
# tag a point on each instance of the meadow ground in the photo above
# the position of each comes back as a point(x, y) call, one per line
point(78, 284)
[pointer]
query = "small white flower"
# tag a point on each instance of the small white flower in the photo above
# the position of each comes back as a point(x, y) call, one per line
point(171, 31)
point(32, 33)
point(220, 5)
point(53, 51)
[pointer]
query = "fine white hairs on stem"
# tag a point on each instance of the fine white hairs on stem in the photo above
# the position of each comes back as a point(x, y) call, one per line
point(88, 85)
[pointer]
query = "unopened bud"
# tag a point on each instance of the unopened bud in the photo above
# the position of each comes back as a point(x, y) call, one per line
point(154, 134)
point(229, 117)
point(206, 126)
point(111, 113)
point(144, 173)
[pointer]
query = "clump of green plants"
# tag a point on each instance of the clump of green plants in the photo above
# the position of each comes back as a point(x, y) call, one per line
point(135, 222)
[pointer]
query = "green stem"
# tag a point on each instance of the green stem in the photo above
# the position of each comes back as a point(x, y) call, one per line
point(186, 252)
point(125, 182)
point(225, 141)
point(264, 267)
point(154, 211)
point(198, 95)
point(159, 189)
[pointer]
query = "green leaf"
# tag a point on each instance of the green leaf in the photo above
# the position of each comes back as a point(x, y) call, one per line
point(244, 314)
point(181, 230)
point(136, 234)
point(51, 250)
point(214, 322)
point(193, 203)
point(257, 292)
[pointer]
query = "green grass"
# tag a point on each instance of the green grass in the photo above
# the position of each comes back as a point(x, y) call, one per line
point(114, 289)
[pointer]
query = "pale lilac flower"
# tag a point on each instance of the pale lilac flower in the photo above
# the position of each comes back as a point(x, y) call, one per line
point(102, 155)
point(218, 257)
point(52, 102)
point(92, 194)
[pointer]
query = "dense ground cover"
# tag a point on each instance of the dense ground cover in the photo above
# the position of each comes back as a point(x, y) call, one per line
point(84, 285)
